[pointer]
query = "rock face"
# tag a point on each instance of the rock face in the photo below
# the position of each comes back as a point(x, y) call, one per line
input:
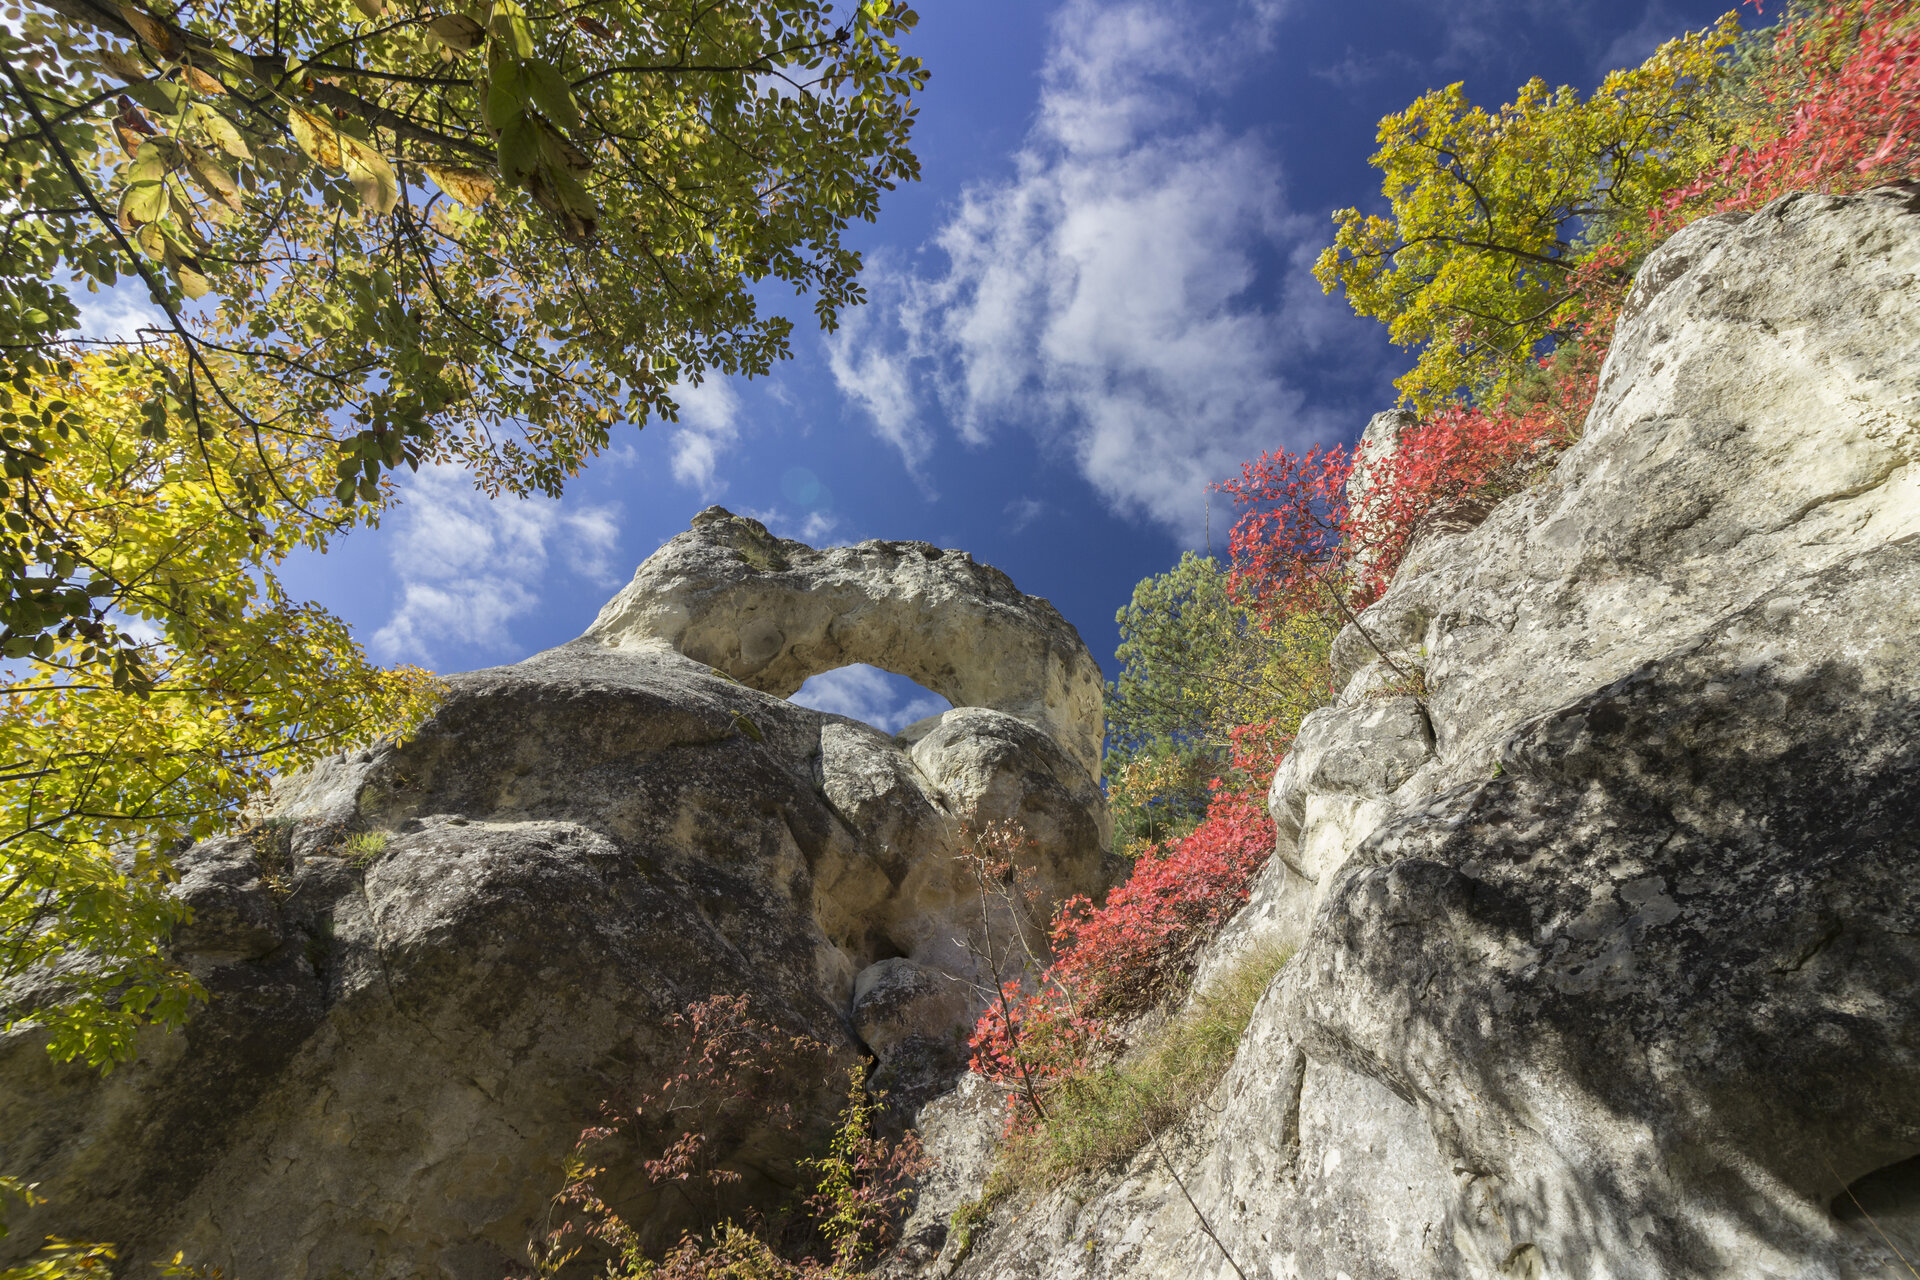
point(770, 612)
point(409, 1030)
point(1608, 947)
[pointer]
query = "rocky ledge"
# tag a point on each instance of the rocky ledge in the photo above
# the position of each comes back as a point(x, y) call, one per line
point(1606, 927)
point(1608, 942)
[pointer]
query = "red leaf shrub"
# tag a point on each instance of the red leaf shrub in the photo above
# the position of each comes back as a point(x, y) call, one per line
point(1287, 545)
point(1115, 961)
point(736, 1075)
point(1842, 111)
point(1124, 955)
point(1302, 545)
point(1844, 102)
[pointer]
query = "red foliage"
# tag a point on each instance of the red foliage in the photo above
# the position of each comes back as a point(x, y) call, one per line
point(1847, 111)
point(1123, 955)
point(1113, 961)
point(736, 1076)
point(1301, 545)
point(1289, 542)
point(1847, 98)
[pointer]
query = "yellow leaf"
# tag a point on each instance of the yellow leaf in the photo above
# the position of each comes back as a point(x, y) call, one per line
point(149, 29)
point(317, 136)
point(120, 64)
point(143, 202)
point(223, 133)
point(471, 187)
point(217, 181)
point(371, 174)
point(200, 81)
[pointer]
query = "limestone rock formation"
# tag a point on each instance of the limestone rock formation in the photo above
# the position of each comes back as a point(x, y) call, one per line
point(406, 1037)
point(1609, 945)
point(771, 612)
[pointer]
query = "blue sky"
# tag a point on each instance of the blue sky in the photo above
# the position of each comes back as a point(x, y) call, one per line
point(1096, 302)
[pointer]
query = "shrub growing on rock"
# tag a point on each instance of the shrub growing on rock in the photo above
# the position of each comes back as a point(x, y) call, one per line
point(1116, 961)
point(734, 1078)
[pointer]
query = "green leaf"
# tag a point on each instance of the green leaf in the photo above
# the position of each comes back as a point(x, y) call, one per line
point(457, 31)
point(519, 149)
point(508, 23)
point(163, 97)
point(552, 94)
point(372, 176)
point(506, 98)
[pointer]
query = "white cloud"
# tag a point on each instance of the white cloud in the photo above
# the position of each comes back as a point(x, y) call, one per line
point(1022, 512)
point(877, 377)
point(1100, 297)
point(469, 565)
point(812, 527)
point(709, 426)
point(871, 695)
point(1356, 69)
point(113, 315)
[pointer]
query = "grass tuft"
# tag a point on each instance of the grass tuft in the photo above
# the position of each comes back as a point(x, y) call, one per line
point(360, 850)
point(1104, 1116)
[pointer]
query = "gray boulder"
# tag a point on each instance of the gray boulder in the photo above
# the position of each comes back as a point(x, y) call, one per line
point(1608, 947)
point(770, 612)
point(405, 1039)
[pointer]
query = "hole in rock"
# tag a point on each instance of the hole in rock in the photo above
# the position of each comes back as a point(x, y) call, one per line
point(880, 698)
point(1883, 1209)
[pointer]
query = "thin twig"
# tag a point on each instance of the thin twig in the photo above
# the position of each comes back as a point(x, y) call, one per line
point(1848, 1188)
point(1153, 1140)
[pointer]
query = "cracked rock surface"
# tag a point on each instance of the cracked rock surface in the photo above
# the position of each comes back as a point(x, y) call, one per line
point(1607, 948)
point(402, 1045)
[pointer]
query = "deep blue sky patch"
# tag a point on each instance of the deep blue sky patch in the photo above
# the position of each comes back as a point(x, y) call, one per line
point(1095, 303)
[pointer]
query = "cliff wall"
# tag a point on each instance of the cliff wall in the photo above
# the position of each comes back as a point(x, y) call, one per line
point(1608, 924)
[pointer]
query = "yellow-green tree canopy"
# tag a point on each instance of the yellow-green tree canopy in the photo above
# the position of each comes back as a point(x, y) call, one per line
point(376, 233)
point(1490, 212)
point(241, 682)
point(1195, 666)
point(437, 229)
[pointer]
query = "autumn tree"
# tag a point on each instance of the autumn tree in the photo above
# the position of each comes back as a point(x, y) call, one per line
point(1195, 666)
point(372, 234)
point(239, 682)
point(471, 234)
point(1491, 213)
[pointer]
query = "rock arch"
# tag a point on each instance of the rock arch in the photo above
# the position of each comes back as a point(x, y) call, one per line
point(770, 612)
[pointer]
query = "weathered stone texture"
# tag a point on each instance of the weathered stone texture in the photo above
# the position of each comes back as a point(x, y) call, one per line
point(1608, 948)
point(771, 612)
point(398, 1054)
